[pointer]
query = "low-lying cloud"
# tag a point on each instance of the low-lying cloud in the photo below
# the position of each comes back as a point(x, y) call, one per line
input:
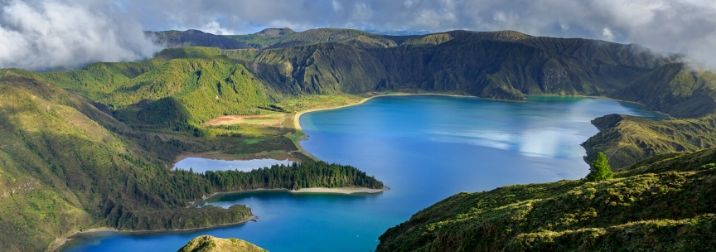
point(84, 30)
point(55, 34)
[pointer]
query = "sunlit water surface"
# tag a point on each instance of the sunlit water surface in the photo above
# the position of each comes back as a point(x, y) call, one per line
point(424, 148)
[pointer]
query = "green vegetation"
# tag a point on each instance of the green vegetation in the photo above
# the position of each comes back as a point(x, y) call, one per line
point(207, 243)
point(92, 147)
point(599, 169)
point(305, 175)
point(66, 166)
point(665, 204)
point(175, 94)
point(627, 140)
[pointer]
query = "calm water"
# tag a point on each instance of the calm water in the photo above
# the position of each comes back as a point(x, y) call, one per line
point(424, 148)
point(201, 165)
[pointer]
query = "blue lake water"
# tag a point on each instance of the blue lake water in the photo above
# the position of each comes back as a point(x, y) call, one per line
point(201, 165)
point(424, 148)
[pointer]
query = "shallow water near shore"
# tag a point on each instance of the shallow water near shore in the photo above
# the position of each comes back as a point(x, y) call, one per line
point(425, 148)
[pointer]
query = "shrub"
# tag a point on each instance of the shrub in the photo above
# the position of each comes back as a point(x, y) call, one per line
point(600, 169)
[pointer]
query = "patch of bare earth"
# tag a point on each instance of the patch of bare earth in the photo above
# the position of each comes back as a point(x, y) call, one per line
point(273, 120)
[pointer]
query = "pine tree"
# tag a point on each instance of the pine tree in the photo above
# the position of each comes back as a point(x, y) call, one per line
point(600, 169)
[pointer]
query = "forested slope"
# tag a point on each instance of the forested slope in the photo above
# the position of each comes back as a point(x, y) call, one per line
point(66, 165)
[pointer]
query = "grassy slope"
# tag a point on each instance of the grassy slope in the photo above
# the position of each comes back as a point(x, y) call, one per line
point(627, 139)
point(66, 165)
point(207, 243)
point(34, 207)
point(64, 171)
point(664, 204)
point(197, 87)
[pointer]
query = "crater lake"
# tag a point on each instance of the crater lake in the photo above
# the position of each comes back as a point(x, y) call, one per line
point(425, 148)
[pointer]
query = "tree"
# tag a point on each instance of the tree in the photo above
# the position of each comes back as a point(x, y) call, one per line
point(600, 169)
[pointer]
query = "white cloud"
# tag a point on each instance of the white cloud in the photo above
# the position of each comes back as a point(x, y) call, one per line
point(687, 26)
point(52, 34)
point(607, 34)
point(216, 28)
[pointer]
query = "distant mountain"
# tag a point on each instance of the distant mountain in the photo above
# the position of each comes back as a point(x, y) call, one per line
point(195, 38)
point(274, 32)
point(503, 65)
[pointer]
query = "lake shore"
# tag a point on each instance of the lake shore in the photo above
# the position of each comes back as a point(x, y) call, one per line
point(328, 190)
point(297, 115)
point(66, 239)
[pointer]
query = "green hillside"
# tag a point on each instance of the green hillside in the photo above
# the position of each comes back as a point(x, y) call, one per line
point(66, 166)
point(664, 204)
point(628, 139)
point(193, 84)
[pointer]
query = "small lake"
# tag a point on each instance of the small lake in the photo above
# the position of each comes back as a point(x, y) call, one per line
point(201, 165)
point(424, 148)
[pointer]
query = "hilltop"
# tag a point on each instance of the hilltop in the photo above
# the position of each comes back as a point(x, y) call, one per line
point(207, 243)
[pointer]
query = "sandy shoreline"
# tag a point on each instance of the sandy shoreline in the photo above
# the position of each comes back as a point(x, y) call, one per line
point(297, 115)
point(334, 190)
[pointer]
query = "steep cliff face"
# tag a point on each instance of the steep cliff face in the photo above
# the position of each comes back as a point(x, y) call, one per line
point(505, 65)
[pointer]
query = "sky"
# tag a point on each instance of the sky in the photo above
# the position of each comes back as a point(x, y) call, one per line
point(46, 34)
